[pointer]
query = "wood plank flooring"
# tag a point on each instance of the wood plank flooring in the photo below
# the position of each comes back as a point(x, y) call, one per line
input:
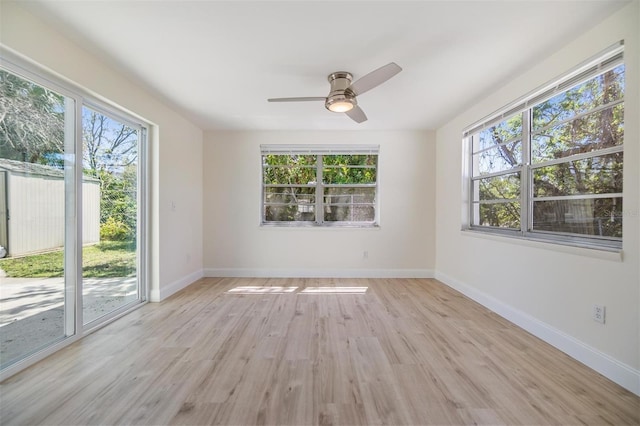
point(404, 352)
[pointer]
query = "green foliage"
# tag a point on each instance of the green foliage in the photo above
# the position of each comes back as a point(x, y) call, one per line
point(349, 169)
point(118, 204)
point(113, 230)
point(503, 215)
point(289, 169)
point(337, 169)
point(500, 187)
point(105, 260)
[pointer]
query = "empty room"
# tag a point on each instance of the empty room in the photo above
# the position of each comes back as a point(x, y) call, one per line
point(319, 212)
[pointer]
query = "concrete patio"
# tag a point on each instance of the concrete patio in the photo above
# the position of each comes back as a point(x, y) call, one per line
point(32, 309)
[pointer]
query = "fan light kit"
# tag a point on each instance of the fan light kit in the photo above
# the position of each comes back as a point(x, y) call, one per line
point(340, 106)
point(342, 96)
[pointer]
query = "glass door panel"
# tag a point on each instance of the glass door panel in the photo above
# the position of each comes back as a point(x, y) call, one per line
point(110, 276)
point(36, 198)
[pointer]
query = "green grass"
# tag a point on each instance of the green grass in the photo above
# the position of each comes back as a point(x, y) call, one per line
point(109, 259)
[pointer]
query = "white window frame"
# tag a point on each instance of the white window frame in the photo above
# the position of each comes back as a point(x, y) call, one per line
point(321, 202)
point(595, 66)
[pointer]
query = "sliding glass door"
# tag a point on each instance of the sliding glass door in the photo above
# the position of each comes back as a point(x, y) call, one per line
point(72, 204)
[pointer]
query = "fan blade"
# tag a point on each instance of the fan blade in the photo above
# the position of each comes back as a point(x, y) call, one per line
point(375, 78)
point(357, 114)
point(295, 99)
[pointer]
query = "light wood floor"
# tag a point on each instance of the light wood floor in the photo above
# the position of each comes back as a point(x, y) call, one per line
point(408, 351)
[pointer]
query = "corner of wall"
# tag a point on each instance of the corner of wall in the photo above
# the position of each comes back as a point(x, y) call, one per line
point(158, 295)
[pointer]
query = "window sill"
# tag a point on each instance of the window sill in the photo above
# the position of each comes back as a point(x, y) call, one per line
point(597, 252)
point(316, 226)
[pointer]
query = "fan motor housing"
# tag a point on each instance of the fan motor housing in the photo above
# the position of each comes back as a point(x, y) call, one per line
point(340, 82)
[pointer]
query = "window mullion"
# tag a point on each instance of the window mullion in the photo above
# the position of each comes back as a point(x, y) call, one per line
point(319, 191)
point(472, 167)
point(526, 183)
point(73, 210)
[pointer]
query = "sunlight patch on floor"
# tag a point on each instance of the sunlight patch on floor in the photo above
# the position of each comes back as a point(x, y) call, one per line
point(334, 290)
point(285, 290)
point(261, 290)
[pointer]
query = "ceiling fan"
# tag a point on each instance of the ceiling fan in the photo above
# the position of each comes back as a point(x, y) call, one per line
point(342, 97)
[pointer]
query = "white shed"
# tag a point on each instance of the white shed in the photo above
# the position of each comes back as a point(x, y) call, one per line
point(32, 202)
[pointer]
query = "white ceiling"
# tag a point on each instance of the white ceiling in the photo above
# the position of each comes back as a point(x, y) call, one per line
point(218, 62)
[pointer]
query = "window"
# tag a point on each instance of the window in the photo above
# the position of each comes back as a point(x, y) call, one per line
point(550, 166)
point(319, 185)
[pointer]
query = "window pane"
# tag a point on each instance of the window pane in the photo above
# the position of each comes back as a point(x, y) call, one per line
point(35, 185)
point(599, 130)
point(495, 135)
point(349, 169)
point(601, 90)
point(498, 159)
point(348, 175)
point(350, 160)
point(289, 169)
point(289, 195)
point(289, 204)
point(497, 187)
point(501, 215)
point(297, 175)
point(289, 160)
point(600, 216)
point(349, 204)
point(289, 213)
point(110, 188)
point(596, 175)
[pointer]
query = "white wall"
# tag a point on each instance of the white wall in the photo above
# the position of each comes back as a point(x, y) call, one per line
point(176, 145)
point(235, 244)
point(547, 289)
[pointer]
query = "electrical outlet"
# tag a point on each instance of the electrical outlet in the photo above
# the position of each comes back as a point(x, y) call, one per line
point(599, 313)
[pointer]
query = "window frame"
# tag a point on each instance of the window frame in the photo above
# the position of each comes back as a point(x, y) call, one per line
point(75, 328)
point(606, 60)
point(318, 186)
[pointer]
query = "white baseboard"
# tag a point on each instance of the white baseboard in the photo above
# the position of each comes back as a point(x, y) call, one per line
point(157, 295)
point(622, 374)
point(318, 273)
